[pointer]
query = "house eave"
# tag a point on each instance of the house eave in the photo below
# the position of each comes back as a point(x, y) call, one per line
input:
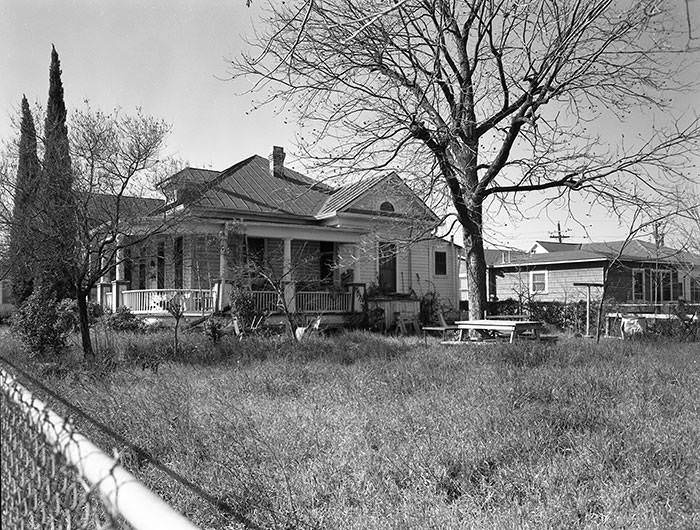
point(535, 264)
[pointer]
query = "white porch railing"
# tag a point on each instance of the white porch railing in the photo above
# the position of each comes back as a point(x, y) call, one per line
point(201, 301)
point(266, 300)
point(149, 301)
point(324, 302)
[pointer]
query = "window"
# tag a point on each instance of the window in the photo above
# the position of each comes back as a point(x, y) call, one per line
point(694, 289)
point(326, 261)
point(256, 251)
point(655, 285)
point(160, 269)
point(179, 262)
point(386, 206)
point(128, 263)
point(538, 281)
point(639, 292)
point(440, 263)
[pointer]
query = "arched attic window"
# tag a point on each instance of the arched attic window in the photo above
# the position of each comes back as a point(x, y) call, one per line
point(386, 206)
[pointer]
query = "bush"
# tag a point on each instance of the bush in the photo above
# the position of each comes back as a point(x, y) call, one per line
point(243, 305)
point(123, 320)
point(6, 312)
point(566, 316)
point(39, 324)
point(68, 313)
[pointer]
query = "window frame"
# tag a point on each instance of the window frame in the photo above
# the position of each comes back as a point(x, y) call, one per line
point(390, 204)
point(546, 282)
point(644, 274)
point(435, 263)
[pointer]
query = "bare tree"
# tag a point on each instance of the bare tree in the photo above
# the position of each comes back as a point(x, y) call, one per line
point(483, 101)
point(113, 158)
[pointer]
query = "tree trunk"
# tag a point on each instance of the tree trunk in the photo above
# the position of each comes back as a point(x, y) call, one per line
point(88, 353)
point(476, 263)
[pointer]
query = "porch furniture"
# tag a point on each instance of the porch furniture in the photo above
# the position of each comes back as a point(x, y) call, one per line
point(407, 307)
point(403, 323)
point(489, 329)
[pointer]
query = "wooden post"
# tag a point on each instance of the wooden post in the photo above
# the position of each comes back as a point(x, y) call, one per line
point(588, 310)
point(220, 283)
point(119, 284)
point(287, 279)
point(588, 286)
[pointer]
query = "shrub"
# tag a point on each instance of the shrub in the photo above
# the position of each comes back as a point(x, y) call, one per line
point(6, 312)
point(39, 325)
point(68, 313)
point(243, 305)
point(123, 320)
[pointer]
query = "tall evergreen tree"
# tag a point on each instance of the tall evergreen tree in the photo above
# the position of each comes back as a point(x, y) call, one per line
point(57, 182)
point(22, 229)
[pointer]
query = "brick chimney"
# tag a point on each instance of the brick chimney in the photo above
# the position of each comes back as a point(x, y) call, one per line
point(277, 162)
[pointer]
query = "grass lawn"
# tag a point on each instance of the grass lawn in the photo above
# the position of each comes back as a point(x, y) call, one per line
point(362, 431)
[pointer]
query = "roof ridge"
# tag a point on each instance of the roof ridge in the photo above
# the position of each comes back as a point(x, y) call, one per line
point(370, 181)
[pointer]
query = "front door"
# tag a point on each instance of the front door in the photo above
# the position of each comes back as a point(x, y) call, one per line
point(387, 267)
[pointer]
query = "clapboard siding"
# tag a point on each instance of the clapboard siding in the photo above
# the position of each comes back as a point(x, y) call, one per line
point(560, 282)
point(415, 270)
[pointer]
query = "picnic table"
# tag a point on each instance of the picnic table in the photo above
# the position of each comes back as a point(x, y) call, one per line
point(490, 329)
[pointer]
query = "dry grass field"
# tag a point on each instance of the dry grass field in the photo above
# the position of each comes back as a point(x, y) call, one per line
point(363, 431)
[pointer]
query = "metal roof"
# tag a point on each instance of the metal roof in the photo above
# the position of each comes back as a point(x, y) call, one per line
point(347, 194)
point(250, 187)
point(554, 246)
point(635, 250)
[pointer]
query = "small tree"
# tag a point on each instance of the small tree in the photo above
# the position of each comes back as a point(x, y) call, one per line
point(56, 213)
point(23, 221)
point(175, 305)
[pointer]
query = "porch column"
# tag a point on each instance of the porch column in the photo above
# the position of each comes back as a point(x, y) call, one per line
point(220, 283)
point(287, 277)
point(119, 285)
point(103, 284)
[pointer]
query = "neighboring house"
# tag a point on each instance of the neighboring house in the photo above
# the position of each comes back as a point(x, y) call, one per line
point(327, 245)
point(492, 256)
point(638, 272)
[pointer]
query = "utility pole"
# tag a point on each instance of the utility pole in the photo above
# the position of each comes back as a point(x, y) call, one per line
point(558, 235)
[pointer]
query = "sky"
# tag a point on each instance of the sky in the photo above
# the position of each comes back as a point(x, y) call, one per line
point(169, 57)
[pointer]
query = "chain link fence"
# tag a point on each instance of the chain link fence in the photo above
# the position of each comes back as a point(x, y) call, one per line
point(52, 477)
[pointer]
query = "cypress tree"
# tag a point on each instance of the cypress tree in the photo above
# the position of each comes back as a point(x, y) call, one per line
point(57, 182)
point(22, 230)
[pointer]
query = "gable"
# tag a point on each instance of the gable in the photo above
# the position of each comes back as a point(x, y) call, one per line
point(370, 195)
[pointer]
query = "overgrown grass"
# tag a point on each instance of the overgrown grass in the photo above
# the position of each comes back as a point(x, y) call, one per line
point(364, 431)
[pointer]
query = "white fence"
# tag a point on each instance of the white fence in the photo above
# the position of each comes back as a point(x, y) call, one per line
point(151, 301)
point(52, 477)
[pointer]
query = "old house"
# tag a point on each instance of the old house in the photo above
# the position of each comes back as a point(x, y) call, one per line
point(326, 246)
point(637, 272)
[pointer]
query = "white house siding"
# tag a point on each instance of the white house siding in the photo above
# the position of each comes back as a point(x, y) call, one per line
point(560, 283)
point(393, 190)
point(415, 267)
